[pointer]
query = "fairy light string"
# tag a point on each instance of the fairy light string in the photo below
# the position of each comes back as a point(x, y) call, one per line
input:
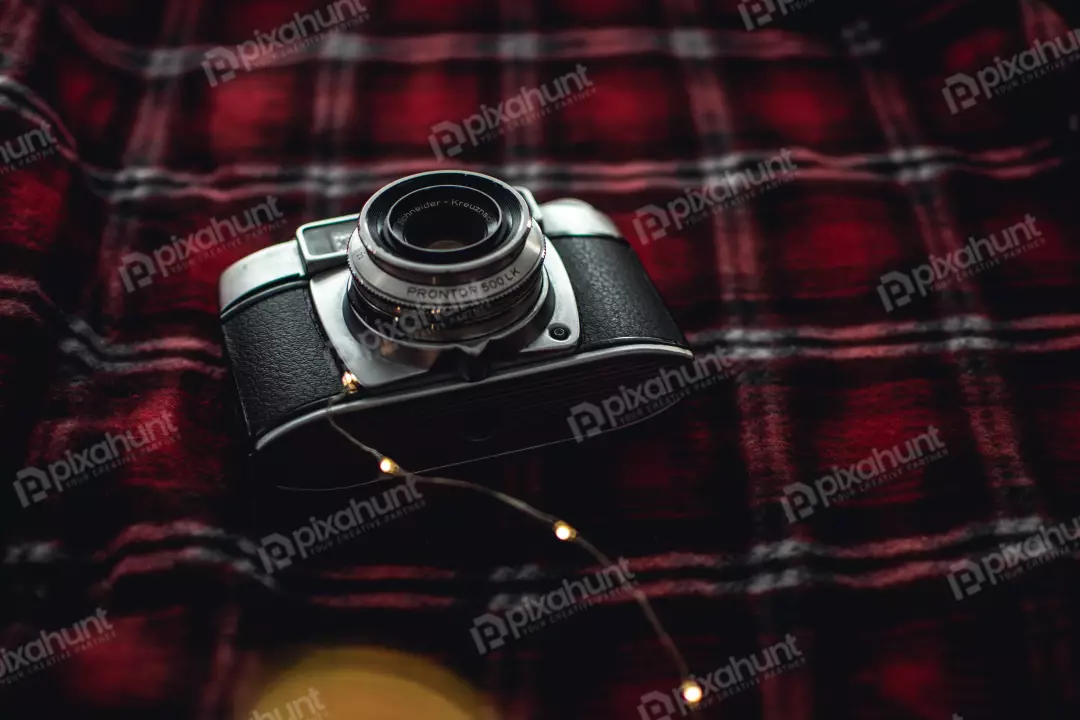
point(690, 690)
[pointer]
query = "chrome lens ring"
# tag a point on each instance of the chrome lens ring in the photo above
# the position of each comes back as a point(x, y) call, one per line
point(444, 224)
point(459, 250)
point(428, 330)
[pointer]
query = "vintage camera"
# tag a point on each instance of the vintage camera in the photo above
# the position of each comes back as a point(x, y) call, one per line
point(474, 321)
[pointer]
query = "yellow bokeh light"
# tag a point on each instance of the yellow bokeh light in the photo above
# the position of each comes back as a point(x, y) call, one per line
point(691, 692)
point(564, 531)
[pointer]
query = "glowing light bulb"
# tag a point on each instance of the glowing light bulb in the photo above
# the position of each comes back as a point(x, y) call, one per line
point(564, 531)
point(691, 692)
point(388, 466)
point(351, 383)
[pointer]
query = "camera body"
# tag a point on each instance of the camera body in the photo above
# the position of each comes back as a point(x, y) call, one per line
point(468, 320)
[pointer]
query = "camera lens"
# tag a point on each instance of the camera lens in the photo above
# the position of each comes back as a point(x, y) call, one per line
point(445, 256)
point(443, 218)
point(444, 228)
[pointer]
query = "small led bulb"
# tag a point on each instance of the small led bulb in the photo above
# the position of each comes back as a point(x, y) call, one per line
point(691, 692)
point(564, 531)
point(388, 466)
point(351, 383)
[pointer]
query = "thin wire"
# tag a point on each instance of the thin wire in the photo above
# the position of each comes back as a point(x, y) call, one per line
point(522, 506)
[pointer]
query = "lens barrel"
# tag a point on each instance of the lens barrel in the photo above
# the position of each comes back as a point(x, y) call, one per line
point(445, 257)
point(445, 223)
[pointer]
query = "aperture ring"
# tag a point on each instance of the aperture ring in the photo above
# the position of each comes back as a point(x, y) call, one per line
point(363, 295)
point(420, 324)
point(484, 290)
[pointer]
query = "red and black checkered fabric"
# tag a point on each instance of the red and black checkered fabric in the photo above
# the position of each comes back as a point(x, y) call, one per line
point(145, 137)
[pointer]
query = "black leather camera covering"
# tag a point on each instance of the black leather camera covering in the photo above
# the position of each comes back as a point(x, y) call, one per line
point(617, 302)
point(283, 365)
point(280, 361)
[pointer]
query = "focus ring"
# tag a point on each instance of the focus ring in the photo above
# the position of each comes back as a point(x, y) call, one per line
point(367, 271)
point(457, 251)
point(364, 292)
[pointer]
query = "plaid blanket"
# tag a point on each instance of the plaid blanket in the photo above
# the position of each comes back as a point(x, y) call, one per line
point(868, 512)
